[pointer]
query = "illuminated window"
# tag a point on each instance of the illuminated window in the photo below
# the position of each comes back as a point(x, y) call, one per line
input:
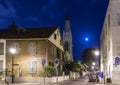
point(32, 66)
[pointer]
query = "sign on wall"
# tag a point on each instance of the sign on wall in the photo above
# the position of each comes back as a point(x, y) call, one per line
point(43, 62)
point(117, 60)
point(56, 62)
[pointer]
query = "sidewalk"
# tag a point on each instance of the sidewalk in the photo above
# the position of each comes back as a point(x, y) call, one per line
point(102, 84)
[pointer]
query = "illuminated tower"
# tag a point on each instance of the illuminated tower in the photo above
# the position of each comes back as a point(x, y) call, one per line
point(67, 38)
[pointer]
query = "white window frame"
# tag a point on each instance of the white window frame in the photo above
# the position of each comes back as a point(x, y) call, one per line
point(32, 48)
point(32, 66)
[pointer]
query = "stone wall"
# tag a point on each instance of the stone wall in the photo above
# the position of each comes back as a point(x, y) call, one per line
point(38, 79)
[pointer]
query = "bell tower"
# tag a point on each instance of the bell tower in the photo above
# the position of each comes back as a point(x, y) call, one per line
point(67, 38)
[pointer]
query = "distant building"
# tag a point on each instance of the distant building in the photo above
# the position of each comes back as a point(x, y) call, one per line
point(110, 43)
point(67, 39)
point(32, 46)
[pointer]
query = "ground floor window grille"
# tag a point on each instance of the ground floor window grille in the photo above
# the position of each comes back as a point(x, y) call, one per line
point(32, 66)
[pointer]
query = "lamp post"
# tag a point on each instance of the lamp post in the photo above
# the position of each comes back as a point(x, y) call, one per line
point(97, 64)
point(97, 60)
point(12, 51)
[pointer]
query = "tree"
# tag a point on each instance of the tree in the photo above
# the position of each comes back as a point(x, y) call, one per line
point(88, 57)
point(73, 66)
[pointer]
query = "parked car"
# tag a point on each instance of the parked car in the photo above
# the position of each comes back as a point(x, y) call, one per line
point(93, 78)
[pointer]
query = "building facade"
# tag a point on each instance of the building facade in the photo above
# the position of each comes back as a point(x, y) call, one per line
point(33, 46)
point(110, 43)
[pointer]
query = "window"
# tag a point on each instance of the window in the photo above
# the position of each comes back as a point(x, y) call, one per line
point(52, 50)
point(55, 37)
point(118, 21)
point(1, 64)
point(58, 54)
point(16, 46)
point(1, 48)
point(53, 64)
point(109, 21)
point(32, 48)
point(109, 45)
point(32, 66)
point(50, 64)
point(61, 55)
point(61, 42)
point(55, 51)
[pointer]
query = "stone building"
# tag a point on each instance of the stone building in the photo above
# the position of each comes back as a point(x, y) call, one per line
point(110, 43)
point(67, 38)
point(33, 45)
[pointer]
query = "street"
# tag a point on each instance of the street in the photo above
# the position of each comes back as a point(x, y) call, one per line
point(81, 81)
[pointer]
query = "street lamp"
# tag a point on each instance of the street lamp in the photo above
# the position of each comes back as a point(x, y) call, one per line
point(12, 51)
point(96, 52)
point(93, 63)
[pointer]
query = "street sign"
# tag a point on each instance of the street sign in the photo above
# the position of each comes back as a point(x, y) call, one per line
point(43, 62)
point(100, 74)
point(117, 60)
point(56, 62)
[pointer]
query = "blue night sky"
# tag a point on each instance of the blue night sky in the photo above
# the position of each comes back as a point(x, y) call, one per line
point(86, 17)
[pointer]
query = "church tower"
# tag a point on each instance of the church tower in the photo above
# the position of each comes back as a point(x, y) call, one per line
point(67, 38)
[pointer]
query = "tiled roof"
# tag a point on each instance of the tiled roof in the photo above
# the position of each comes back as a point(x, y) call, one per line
point(16, 33)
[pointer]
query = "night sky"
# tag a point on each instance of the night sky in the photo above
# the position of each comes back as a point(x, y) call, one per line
point(86, 16)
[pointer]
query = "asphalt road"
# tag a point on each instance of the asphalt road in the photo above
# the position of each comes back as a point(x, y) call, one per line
point(81, 81)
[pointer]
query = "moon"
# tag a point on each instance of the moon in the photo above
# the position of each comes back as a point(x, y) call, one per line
point(86, 39)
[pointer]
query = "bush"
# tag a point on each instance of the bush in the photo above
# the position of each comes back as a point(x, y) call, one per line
point(49, 71)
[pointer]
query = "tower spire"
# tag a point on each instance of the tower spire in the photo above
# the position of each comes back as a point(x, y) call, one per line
point(67, 37)
point(67, 14)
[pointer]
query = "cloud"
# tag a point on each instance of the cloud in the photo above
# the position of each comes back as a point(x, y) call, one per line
point(32, 18)
point(7, 12)
point(7, 9)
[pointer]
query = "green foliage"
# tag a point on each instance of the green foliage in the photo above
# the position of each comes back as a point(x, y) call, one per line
point(88, 56)
point(74, 66)
point(49, 71)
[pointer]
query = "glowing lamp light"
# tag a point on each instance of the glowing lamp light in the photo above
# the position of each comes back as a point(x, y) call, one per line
point(96, 53)
point(93, 63)
point(13, 50)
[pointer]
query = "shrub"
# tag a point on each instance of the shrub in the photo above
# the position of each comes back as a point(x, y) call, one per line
point(49, 71)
